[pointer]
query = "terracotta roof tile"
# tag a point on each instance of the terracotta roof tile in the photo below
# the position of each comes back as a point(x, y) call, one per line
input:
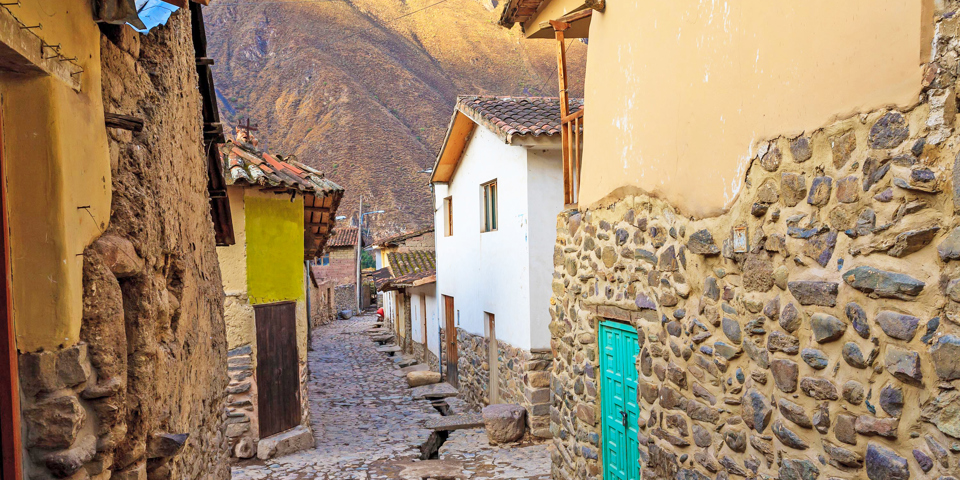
point(343, 237)
point(245, 165)
point(404, 263)
point(509, 116)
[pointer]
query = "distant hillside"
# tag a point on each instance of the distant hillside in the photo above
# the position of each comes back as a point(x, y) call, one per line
point(364, 89)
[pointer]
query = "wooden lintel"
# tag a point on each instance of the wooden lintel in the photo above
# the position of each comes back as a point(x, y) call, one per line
point(573, 17)
point(123, 122)
point(317, 209)
point(205, 61)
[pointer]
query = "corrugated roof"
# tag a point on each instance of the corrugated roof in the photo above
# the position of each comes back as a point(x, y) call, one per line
point(243, 164)
point(404, 263)
point(343, 237)
point(509, 116)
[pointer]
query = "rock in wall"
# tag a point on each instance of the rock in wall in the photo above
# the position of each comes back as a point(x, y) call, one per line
point(812, 331)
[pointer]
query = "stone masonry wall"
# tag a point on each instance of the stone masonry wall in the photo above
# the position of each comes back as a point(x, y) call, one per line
point(523, 378)
point(813, 331)
point(344, 297)
point(142, 395)
point(425, 355)
point(241, 418)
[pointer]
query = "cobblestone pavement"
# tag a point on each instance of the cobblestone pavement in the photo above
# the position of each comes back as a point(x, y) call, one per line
point(367, 426)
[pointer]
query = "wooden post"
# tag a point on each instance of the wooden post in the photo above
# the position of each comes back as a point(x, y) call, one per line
point(559, 28)
point(10, 446)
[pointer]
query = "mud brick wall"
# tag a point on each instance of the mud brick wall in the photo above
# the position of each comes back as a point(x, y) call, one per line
point(523, 378)
point(142, 396)
point(812, 331)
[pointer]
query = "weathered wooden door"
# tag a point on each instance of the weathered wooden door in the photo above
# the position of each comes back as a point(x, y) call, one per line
point(278, 368)
point(493, 359)
point(423, 326)
point(450, 341)
point(618, 401)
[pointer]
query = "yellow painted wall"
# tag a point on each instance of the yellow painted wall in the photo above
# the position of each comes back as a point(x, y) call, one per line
point(680, 92)
point(57, 160)
point(274, 231)
point(264, 265)
point(238, 313)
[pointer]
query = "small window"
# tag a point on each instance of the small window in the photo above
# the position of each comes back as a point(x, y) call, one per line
point(448, 216)
point(324, 260)
point(489, 206)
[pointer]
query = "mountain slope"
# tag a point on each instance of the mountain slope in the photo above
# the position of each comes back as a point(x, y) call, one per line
point(364, 89)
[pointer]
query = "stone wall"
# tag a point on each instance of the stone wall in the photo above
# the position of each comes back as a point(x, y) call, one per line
point(142, 395)
point(323, 309)
point(812, 331)
point(345, 297)
point(241, 418)
point(523, 378)
point(425, 355)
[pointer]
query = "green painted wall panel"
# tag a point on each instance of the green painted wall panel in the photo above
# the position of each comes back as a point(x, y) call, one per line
point(274, 248)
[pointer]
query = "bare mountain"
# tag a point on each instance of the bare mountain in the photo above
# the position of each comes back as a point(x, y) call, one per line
point(364, 89)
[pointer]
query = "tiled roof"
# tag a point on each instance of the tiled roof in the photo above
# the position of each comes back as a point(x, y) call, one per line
point(396, 239)
point(404, 263)
point(243, 164)
point(509, 116)
point(381, 277)
point(518, 11)
point(414, 279)
point(343, 237)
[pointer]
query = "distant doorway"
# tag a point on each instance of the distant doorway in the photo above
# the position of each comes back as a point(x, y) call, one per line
point(493, 354)
point(450, 341)
point(423, 326)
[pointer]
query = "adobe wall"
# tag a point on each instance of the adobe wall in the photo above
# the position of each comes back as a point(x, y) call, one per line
point(149, 372)
point(343, 265)
point(811, 331)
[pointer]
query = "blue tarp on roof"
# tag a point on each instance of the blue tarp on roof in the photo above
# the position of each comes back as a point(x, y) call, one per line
point(153, 13)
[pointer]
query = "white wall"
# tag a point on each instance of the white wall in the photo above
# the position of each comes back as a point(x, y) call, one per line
point(491, 272)
point(433, 316)
point(545, 200)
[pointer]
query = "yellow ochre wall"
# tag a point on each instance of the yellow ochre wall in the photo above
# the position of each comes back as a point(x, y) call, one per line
point(274, 233)
point(264, 265)
point(680, 93)
point(57, 161)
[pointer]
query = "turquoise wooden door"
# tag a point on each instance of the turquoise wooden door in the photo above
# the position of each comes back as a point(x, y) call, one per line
point(618, 401)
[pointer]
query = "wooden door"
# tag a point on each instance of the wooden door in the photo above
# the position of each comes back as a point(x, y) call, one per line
point(423, 326)
point(493, 359)
point(618, 401)
point(450, 341)
point(10, 462)
point(278, 368)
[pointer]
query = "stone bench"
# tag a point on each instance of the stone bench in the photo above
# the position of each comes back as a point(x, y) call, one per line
point(390, 350)
point(437, 390)
point(460, 421)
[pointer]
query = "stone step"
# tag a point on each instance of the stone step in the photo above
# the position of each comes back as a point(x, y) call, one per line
point(382, 338)
point(437, 390)
point(461, 421)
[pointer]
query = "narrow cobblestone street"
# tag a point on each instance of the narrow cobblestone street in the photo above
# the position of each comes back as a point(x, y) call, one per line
point(367, 426)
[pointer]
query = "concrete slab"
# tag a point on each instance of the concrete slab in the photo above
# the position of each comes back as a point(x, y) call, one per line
point(437, 390)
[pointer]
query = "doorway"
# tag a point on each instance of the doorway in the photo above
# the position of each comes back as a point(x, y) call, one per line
point(450, 341)
point(278, 368)
point(618, 401)
point(423, 326)
point(493, 359)
point(10, 461)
